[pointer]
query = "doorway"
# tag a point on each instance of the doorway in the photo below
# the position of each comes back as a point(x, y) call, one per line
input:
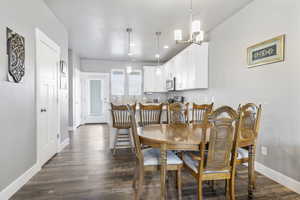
point(95, 97)
point(47, 68)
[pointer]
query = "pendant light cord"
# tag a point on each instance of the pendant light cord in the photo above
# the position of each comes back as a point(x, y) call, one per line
point(191, 20)
point(157, 46)
point(129, 50)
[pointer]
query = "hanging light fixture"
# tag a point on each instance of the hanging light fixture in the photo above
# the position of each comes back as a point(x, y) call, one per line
point(196, 34)
point(130, 44)
point(157, 55)
point(129, 31)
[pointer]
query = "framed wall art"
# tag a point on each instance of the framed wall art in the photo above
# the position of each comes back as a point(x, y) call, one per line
point(16, 56)
point(267, 52)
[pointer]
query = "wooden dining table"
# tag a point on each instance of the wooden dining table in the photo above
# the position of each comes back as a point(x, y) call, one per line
point(170, 137)
point(185, 138)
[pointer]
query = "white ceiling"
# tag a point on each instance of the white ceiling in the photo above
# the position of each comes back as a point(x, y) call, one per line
point(97, 27)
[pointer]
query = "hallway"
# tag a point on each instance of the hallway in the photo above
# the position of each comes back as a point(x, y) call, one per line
point(86, 170)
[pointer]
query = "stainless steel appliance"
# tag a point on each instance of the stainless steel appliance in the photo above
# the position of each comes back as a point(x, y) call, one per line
point(170, 84)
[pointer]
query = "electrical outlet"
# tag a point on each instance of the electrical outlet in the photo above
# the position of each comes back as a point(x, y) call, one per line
point(264, 150)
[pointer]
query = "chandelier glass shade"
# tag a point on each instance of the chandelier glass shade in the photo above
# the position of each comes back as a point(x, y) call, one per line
point(196, 34)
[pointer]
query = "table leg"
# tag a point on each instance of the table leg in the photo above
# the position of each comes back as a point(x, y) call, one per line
point(163, 171)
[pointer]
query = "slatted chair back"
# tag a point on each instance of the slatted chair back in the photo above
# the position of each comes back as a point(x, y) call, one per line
point(150, 114)
point(250, 120)
point(200, 112)
point(178, 113)
point(134, 132)
point(120, 116)
point(222, 149)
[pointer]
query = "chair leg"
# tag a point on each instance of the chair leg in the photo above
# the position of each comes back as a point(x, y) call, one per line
point(232, 188)
point(226, 187)
point(251, 172)
point(200, 190)
point(116, 141)
point(135, 175)
point(130, 141)
point(140, 184)
point(212, 186)
point(179, 183)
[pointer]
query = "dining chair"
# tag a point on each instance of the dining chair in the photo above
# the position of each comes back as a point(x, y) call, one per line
point(178, 113)
point(199, 112)
point(218, 163)
point(121, 121)
point(149, 160)
point(250, 121)
point(150, 114)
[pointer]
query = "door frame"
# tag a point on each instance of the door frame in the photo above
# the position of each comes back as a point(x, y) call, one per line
point(90, 75)
point(41, 36)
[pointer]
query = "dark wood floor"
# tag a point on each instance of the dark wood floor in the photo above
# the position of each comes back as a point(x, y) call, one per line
point(86, 170)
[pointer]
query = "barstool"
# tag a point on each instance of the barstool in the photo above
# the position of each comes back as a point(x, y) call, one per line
point(121, 121)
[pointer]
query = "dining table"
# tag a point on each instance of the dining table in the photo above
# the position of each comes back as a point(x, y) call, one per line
point(181, 137)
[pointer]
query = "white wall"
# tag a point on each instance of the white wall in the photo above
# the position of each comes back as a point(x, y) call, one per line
point(74, 89)
point(17, 104)
point(275, 86)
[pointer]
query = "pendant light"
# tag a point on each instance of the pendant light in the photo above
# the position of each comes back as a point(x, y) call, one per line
point(129, 67)
point(129, 31)
point(157, 55)
point(196, 34)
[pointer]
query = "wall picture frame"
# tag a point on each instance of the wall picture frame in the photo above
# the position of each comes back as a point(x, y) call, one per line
point(16, 56)
point(267, 52)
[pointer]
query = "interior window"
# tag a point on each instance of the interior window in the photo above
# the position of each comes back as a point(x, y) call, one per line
point(117, 82)
point(135, 82)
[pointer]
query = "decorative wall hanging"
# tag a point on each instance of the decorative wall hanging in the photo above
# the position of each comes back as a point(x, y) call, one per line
point(16, 56)
point(266, 52)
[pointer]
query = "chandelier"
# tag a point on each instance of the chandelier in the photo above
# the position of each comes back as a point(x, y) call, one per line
point(196, 34)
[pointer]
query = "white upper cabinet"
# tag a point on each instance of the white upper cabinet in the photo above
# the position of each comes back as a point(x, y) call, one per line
point(154, 79)
point(189, 67)
point(200, 65)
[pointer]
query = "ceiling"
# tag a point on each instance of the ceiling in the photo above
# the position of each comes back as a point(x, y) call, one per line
point(97, 28)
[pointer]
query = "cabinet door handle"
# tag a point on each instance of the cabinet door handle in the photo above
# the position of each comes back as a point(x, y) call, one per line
point(43, 110)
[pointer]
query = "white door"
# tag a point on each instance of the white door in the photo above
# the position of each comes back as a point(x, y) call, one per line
point(47, 59)
point(95, 99)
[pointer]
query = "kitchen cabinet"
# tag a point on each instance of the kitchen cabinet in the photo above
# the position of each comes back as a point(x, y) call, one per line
point(190, 67)
point(154, 79)
point(199, 66)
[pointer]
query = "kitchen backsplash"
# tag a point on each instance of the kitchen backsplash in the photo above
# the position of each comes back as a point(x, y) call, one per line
point(196, 96)
point(160, 97)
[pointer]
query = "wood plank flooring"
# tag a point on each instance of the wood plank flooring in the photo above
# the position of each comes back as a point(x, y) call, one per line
point(86, 170)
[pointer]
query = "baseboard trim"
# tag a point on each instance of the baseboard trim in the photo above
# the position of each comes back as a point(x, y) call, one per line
point(71, 128)
point(11, 189)
point(278, 177)
point(63, 145)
